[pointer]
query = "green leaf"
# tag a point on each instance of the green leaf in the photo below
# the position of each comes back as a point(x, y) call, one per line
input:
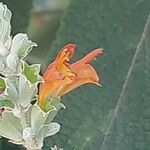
point(31, 72)
point(6, 103)
point(47, 106)
point(2, 83)
point(116, 26)
point(54, 102)
point(129, 126)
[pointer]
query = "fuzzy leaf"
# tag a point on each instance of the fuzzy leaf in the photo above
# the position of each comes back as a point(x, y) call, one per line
point(6, 103)
point(2, 83)
point(52, 129)
point(38, 118)
point(53, 102)
point(21, 45)
point(31, 72)
point(27, 92)
point(20, 91)
point(20, 11)
point(48, 130)
point(56, 148)
point(5, 28)
point(12, 90)
point(10, 127)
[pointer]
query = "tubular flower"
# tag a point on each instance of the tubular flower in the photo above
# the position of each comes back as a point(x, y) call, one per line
point(61, 77)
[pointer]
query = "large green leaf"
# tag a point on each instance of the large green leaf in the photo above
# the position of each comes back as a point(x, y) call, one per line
point(130, 123)
point(90, 121)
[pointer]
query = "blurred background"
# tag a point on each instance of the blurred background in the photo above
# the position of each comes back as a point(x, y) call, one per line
point(117, 115)
point(43, 26)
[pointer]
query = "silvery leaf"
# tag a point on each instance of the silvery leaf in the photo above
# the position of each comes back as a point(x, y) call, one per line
point(53, 102)
point(16, 142)
point(21, 45)
point(12, 61)
point(11, 90)
point(7, 43)
point(56, 102)
point(5, 12)
point(26, 117)
point(38, 118)
point(30, 141)
point(27, 91)
point(28, 133)
point(3, 49)
point(48, 130)
point(2, 67)
point(56, 148)
point(5, 28)
point(10, 127)
point(51, 115)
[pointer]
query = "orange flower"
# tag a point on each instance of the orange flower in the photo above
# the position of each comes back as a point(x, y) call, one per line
point(61, 77)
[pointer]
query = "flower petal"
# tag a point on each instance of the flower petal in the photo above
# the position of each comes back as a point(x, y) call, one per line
point(62, 59)
point(51, 88)
point(69, 48)
point(85, 74)
point(92, 55)
point(84, 71)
